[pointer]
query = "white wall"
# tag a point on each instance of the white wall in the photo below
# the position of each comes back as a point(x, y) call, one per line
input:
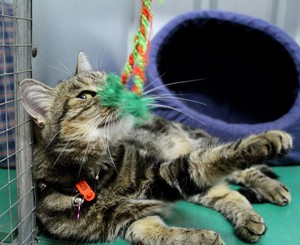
point(62, 28)
point(104, 28)
point(283, 13)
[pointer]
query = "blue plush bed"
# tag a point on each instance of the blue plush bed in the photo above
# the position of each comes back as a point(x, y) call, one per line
point(245, 70)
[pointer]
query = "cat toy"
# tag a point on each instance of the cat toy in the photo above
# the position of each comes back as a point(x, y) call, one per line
point(118, 93)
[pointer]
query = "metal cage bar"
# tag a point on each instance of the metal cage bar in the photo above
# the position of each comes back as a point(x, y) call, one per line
point(24, 139)
point(17, 219)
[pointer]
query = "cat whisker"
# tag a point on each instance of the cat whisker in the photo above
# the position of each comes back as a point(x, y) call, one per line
point(98, 120)
point(147, 85)
point(106, 127)
point(63, 150)
point(175, 109)
point(102, 58)
point(80, 168)
point(111, 159)
point(51, 140)
point(159, 94)
point(66, 68)
point(174, 83)
point(108, 144)
point(59, 69)
point(178, 98)
point(95, 58)
point(59, 155)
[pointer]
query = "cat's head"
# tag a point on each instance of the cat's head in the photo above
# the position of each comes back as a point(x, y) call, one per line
point(70, 115)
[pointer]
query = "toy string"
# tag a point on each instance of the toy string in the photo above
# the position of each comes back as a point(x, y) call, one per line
point(138, 59)
point(116, 94)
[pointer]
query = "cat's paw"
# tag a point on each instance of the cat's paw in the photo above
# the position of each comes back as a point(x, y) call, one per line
point(152, 230)
point(202, 237)
point(250, 227)
point(265, 146)
point(279, 143)
point(274, 191)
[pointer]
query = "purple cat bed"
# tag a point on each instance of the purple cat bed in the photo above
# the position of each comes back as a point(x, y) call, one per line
point(244, 69)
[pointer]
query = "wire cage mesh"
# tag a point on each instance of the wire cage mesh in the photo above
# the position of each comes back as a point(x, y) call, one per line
point(17, 221)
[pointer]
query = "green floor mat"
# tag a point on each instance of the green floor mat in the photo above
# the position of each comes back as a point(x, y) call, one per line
point(283, 222)
point(8, 205)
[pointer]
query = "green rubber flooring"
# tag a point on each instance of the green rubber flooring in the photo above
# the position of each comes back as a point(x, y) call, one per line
point(8, 205)
point(283, 222)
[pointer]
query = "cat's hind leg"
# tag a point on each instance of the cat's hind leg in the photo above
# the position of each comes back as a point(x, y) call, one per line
point(261, 185)
point(249, 226)
point(151, 230)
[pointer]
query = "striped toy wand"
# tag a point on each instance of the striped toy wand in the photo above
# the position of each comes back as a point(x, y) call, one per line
point(116, 94)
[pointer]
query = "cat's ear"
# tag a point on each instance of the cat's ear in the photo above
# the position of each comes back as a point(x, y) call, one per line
point(36, 98)
point(83, 64)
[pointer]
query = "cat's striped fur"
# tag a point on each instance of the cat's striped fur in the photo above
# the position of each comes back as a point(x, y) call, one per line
point(138, 171)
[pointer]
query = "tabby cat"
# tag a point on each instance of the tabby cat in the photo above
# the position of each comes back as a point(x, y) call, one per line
point(137, 171)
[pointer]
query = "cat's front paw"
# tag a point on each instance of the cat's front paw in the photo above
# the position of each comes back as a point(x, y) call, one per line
point(250, 227)
point(279, 143)
point(265, 146)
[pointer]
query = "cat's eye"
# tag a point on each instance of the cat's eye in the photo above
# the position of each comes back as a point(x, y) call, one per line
point(85, 95)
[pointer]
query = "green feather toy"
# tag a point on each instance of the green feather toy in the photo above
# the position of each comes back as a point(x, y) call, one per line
point(115, 94)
